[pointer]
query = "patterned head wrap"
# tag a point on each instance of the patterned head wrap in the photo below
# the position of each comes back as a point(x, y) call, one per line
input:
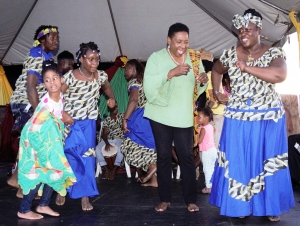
point(239, 21)
point(43, 33)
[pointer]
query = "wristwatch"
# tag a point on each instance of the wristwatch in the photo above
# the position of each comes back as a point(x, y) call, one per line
point(216, 92)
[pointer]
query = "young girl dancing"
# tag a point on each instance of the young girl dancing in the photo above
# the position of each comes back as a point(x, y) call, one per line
point(207, 146)
point(43, 166)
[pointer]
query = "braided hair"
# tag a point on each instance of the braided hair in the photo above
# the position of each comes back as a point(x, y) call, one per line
point(49, 65)
point(42, 27)
point(84, 47)
point(207, 112)
point(139, 67)
point(253, 12)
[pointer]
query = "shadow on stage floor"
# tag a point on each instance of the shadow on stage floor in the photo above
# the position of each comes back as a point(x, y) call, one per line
point(123, 201)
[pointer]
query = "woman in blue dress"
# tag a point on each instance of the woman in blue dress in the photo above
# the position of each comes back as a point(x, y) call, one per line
point(251, 174)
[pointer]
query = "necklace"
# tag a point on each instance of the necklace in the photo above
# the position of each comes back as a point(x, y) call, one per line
point(89, 78)
point(250, 58)
point(174, 59)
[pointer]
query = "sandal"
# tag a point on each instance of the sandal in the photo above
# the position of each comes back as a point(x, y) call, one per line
point(206, 190)
point(274, 218)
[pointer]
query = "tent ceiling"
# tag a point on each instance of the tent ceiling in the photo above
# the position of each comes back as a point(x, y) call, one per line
point(141, 25)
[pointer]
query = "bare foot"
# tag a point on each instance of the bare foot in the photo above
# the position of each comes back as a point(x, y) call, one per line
point(152, 182)
point(13, 180)
point(85, 203)
point(111, 175)
point(106, 175)
point(140, 175)
point(163, 206)
point(47, 210)
point(60, 200)
point(192, 207)
point(30, 215)
point(206, 190)
point(274, 218)
point(151, 171)
point(19, 193)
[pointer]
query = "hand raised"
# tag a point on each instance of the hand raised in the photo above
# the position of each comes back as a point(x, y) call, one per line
point(241, 64)
point(181, 69)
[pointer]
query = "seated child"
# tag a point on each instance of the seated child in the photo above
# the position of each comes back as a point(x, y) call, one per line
point(112, 133)
point(43, 166)
point(207, 146)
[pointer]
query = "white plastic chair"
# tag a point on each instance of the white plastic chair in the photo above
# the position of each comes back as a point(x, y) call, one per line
point(99, 170)
point(177, 173)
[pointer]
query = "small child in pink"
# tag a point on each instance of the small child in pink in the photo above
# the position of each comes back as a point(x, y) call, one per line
point(207, 146)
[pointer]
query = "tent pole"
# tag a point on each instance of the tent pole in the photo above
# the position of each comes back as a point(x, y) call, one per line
point(115, 28)
point(212, 16)
point(20, 28)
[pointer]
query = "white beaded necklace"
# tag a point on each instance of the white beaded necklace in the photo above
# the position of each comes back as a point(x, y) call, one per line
point(89, 78)
point(174, 59)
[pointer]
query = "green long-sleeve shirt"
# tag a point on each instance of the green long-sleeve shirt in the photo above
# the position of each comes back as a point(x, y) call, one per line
point(169, 102)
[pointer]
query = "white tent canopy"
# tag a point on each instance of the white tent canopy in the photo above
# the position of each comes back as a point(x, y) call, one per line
point(134, 28)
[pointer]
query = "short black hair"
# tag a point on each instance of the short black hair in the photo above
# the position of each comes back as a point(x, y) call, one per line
point(49, 65)
point(42, 27)
point(207, 112)
point(253, 12)
point(65, 55)
point(177, 27)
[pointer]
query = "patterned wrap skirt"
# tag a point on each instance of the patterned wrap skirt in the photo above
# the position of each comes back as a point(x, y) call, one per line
point(138, 145)
point(251, 173)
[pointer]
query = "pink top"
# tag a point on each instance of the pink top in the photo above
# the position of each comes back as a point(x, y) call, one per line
point(56, 108)
point(208, 140)
point(225, 91)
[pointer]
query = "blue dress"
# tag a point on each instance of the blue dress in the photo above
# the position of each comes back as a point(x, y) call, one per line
point(81, 102)
point(251, 174)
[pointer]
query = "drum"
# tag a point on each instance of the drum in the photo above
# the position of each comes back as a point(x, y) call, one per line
point(110, 156)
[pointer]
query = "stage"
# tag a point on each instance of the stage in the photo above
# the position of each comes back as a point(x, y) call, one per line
point(123, 201)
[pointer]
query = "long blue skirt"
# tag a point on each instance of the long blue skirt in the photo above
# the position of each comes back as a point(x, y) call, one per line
point(251, 174)
point(80, 139)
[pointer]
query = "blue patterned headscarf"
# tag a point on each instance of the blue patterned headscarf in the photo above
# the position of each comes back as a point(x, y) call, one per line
point(239, 21)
